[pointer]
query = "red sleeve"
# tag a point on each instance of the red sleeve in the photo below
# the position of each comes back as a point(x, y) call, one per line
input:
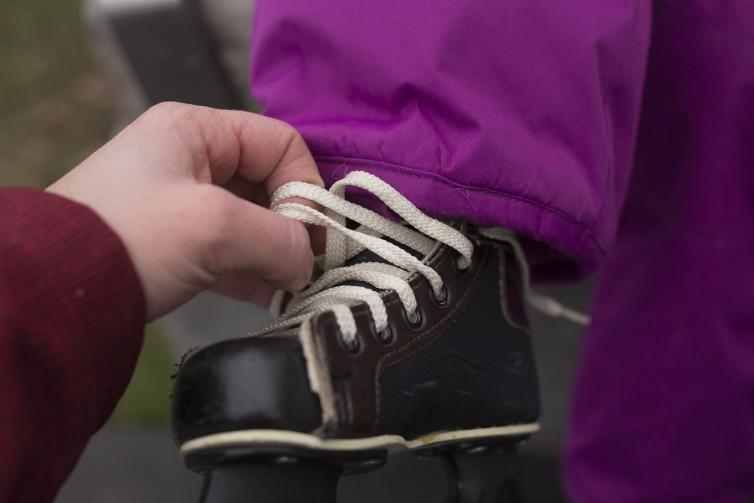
point(71, 325)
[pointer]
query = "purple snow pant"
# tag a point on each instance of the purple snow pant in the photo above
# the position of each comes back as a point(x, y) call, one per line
point(615, 134)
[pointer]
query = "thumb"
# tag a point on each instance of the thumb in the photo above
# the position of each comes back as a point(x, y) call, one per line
point(251, 238)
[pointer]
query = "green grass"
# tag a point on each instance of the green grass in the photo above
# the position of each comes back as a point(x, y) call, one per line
point(54, 107)
point(147, 399)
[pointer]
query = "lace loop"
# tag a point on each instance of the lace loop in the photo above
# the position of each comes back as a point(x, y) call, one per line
point(332, 291)
point(342, 286)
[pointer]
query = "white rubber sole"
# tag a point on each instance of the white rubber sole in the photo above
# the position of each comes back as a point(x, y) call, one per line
point(392, 443)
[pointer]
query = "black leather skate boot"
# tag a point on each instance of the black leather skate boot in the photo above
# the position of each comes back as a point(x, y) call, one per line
point(413, 337)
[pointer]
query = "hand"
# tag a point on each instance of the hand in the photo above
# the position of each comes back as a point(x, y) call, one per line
point(184, 188)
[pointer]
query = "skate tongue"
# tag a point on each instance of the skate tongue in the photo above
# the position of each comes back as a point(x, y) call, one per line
point(282, 297)
point(370, 256)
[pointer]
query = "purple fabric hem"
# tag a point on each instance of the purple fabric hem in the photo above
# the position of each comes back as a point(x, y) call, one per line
point(444, 198)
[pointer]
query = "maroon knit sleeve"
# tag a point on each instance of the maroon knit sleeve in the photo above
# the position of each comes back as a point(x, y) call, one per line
point(71, 326)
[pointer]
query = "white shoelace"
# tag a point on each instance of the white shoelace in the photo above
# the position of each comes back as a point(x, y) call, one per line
point(328, 293)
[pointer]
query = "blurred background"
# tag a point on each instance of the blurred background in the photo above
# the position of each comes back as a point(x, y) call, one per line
point(72, 74)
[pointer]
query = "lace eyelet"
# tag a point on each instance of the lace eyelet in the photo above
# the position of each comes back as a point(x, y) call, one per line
point(385, 336)
point(460, 270)
point(415, 320)
point(352, 347)
point(441, 299)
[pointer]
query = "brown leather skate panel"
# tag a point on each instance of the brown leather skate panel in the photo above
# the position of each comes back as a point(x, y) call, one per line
point(356, 377)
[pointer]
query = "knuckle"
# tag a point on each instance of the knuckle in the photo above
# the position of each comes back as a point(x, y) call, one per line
point(282, 132)
point(177, 116)
point(165, 109)
point(291, 136)
point(288, 130)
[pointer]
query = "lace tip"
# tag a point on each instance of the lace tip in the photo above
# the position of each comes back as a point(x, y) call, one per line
point(550, 307)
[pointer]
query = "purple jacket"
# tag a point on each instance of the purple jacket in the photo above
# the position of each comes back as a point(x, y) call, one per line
point(475, 109)
point(612, 133)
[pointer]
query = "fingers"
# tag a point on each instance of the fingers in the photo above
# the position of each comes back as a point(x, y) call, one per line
point(270, 151)
point(234, 143)
point(273, 153)
point(247, 237)
point(247, 190)
point(245, 286)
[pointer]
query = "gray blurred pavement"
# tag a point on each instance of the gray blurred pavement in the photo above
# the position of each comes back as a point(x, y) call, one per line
point(128, 465)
